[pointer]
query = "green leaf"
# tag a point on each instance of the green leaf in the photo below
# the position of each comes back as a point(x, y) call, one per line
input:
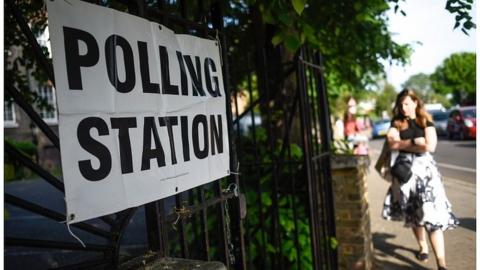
point(292, 42)
point(296, 151)
point(333, 243)
point(299, 6)
point(266, 199)
point(277, 39)
point(271, 249)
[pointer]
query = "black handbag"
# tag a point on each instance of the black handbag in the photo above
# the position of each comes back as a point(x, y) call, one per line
point(402, 169)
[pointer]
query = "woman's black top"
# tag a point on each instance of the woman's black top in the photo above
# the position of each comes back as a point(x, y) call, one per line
point(413, 131)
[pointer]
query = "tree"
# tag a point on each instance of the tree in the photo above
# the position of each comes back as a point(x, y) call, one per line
point(456, 76)
point(421, 84)
point(19, 57)
point(385, 100)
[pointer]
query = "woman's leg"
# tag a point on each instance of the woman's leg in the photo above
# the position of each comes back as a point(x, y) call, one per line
point(438, 244)
point(421, 236)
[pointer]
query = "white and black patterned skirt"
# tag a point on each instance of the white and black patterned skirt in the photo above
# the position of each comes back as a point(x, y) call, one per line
point(422, 200)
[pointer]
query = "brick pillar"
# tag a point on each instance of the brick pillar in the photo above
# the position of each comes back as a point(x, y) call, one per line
point(352, 215)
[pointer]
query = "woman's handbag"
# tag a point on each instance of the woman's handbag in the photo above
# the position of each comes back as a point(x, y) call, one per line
point(383, 163)
point(402, 169)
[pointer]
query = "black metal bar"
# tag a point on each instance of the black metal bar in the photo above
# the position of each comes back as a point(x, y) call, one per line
point(141, 5)
point(13, 241)
point(277, 171)
point(256, 174)
point(14, 153)
point(312, 185)
point(295, 214)
point(122, 220)
point(201, 11)
point(95, 264)
point(236, 225)
point(53, 215)
point(152, 223)
point(313, 105)
point(182, 227)
point(326, 137)
point(222, 223)
point(318, 171)
point(249, 109)
point(183, 9)
point(34, 116)
point(31, 40)
point(107, 220)
point(204, 224)
point(195, 229)
point(163, 230)
point(193, 209)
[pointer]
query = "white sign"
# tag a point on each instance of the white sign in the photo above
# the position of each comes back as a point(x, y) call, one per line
point(142, 112)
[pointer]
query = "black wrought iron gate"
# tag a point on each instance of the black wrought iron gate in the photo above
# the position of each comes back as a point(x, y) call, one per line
point(284, 170)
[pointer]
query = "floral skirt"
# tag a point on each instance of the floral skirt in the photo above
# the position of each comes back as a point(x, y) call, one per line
point(422, 200)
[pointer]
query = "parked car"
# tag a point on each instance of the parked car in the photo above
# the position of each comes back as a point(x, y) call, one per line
point(462, 123)
point(380, 128)
point(440, 119)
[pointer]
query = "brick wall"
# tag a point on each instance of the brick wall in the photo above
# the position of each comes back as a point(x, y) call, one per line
point(352, 215)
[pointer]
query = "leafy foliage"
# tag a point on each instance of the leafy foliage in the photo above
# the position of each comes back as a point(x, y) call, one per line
point(260, 194)
point(20, 63)
point(351, 37)
point(422, 84)
point(385, 100)
point(462, 8)
point(15, 170)
point(457, 76)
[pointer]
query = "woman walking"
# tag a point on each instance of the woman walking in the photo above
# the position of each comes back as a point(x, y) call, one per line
point(417, 194)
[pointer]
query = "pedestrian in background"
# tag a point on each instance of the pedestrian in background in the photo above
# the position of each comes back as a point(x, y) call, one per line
point(350, 120)
point(353, 129)
point(417, 194)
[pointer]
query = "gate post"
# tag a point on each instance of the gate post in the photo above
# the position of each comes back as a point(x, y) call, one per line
point(352, 214)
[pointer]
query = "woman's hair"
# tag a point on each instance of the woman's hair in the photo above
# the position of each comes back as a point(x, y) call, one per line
point(422, 116)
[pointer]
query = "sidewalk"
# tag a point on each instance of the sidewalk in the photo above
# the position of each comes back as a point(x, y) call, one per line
point(395, 246)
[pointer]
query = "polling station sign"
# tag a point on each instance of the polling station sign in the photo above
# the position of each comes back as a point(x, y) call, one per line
point(142, 110)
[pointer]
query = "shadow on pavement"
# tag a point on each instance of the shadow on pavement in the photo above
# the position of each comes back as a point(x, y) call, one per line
point(469, 145)
point(468, 223)
point(386, 250)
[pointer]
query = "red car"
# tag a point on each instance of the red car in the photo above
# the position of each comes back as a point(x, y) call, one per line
point(462, 123)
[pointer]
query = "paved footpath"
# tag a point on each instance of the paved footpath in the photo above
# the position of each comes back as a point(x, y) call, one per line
point(395, 245)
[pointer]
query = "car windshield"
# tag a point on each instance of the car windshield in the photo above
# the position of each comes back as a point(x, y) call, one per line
point(439, 116)
point(382, 122)
point(470, 113)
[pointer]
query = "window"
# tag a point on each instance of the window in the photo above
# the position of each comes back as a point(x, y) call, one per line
point(48, 93)
point(9, 119)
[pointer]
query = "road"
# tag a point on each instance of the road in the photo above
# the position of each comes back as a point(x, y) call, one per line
point(455, 159)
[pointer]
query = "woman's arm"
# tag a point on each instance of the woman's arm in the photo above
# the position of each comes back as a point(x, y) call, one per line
point(421, 144)
point(395, 142)
point(430, 139)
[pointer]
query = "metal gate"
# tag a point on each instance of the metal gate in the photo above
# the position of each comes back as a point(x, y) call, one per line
point(284, 172)
point(180, 226)
point(285, 165)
